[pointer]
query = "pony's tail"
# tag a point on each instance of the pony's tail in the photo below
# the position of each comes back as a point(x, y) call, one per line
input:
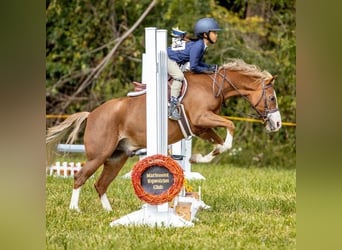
point(55, 134)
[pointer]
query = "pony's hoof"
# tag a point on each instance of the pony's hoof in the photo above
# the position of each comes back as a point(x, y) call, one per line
point(195, 158)
point(74, 208)
point(198, 158)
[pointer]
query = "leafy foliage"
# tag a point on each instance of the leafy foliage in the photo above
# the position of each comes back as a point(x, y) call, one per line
point(79, 34)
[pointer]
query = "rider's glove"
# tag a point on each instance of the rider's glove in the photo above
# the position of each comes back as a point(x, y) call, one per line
point(211, 69)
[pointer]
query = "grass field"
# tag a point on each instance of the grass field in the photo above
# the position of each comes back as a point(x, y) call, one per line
point(251, 208)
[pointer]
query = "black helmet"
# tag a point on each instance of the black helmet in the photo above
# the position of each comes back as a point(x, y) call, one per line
point(204, 25)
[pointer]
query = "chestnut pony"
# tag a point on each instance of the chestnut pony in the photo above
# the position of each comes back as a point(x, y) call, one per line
point(117, 128)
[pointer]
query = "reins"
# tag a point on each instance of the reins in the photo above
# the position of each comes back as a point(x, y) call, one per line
point(219, 91)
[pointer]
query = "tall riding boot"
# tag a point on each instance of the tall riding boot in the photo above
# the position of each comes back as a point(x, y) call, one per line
point(173, 109)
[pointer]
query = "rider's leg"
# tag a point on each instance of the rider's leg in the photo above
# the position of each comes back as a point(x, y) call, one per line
point(178, 76)
point(173, 109)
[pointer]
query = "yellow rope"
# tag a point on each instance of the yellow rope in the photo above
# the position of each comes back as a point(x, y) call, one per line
point(256, 120)
point(228, 117)
point(55, 116)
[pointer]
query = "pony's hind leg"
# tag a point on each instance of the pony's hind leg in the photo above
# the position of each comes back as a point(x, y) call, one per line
point(111, 168)
point(80, 178)
point(74, 199)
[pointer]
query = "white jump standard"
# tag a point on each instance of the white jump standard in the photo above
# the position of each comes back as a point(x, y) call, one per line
point(154, 172)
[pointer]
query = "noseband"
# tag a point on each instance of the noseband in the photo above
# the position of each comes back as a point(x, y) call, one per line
point(261, 115)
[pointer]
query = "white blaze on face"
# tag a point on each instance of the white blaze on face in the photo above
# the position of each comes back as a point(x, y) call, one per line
point(273, 123)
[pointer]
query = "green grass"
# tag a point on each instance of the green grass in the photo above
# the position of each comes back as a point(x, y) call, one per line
point(251, 208)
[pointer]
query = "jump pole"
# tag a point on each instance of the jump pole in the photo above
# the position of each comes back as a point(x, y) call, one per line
point(155, 74)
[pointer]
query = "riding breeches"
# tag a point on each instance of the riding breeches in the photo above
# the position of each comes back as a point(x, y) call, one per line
point(177, 75)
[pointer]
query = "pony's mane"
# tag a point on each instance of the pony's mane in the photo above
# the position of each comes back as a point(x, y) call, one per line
point(246, 69)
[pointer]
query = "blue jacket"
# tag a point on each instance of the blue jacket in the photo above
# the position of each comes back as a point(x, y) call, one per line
point(193, 53)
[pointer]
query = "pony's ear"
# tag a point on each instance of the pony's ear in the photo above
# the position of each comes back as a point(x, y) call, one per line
point(272, 80)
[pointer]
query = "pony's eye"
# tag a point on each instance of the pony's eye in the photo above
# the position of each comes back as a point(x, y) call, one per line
point(272, 98)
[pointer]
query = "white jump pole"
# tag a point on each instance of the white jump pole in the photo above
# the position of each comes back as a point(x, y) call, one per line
point(154, 72)
point(155, 75)
point(71, 148)
point(156, 94)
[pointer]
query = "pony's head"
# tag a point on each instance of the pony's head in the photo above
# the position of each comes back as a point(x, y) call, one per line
point(257, 87)
point(267, 106)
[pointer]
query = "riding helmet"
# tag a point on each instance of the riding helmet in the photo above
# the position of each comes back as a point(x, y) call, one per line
point(204, 25)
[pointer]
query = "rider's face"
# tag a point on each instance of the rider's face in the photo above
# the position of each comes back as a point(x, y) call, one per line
point(213, 36)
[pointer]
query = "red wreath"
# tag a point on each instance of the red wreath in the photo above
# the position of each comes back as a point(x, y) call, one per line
point(162, 161)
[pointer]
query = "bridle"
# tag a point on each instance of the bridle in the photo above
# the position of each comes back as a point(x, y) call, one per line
point(261, 115)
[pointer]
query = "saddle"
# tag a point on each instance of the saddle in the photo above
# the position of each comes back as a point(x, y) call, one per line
point(140, 89)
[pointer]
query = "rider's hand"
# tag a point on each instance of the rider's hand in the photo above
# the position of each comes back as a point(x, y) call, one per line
point(211, 69)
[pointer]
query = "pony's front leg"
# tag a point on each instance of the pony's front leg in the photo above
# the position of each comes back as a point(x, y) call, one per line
point(199, 158)
point(218, 149)
point(228, 143)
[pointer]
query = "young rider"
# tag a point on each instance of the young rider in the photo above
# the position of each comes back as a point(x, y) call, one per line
point(206, 32)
